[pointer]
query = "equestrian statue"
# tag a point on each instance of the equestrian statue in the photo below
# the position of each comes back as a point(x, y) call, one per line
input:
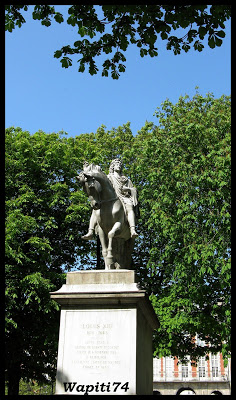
point(115, 210)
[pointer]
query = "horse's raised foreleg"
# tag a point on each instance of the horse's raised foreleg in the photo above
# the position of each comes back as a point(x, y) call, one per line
point(116, 228)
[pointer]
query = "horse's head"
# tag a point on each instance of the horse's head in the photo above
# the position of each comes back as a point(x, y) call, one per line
point(91, 187)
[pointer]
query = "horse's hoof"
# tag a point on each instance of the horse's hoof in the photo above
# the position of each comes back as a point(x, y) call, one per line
point(88, 236)
point(134, 234)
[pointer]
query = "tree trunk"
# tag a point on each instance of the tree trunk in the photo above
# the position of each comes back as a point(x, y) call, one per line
point(13, 380)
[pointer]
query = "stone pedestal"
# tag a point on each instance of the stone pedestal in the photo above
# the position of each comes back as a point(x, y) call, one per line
point(105, 339)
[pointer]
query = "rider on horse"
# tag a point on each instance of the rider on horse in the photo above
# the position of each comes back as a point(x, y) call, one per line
point(127, 194)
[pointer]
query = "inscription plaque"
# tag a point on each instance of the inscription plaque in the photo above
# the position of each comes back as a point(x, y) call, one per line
point(99, 347)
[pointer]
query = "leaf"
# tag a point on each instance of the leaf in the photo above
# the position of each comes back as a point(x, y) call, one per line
point(185, 47)
point(198, 46)
point(121, 67)
point(211, 42)
point(202, 31)
point(36, 14)
point(77, 43)
point(9, 26)
point(104, 72)
point(59, 17)
point(72, 20)
point(164, 35)
point(66, 62)
point(58, 54)
point(218, 42)
point(114, 74)
point(220, 34)
point(143, 52)
point(81, 67)
point(46, 22)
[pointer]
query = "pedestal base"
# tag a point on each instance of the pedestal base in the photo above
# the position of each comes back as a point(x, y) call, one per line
point(105, 339)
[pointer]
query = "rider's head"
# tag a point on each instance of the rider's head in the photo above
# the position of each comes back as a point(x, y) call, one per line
point(114, 163)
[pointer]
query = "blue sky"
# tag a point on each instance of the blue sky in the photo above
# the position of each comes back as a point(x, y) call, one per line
point(40, 94)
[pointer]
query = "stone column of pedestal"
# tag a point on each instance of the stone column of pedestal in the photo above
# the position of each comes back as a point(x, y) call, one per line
point(105, 339)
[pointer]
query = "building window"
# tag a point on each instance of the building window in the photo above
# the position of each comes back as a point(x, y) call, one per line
point(156, 369)
point(184, 371)
point(202, 372)
point(215, 372)
point(215, 365)
point(202, 367)
point(169, 368)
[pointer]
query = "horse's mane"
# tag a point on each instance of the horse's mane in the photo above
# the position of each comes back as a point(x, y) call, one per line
point(93, 168)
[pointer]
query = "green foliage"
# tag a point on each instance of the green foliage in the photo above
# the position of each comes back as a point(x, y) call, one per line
point(184, 170)
point(181, 168)
point(33, 388)
point(129, 24)
point(46, 215)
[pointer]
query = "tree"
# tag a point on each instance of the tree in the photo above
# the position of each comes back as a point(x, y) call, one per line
point(182, 169)
point(46, 215)
point(141, 25)
point(40, 187)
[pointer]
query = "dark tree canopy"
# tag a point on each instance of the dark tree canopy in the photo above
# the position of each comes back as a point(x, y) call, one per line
point(122, 25)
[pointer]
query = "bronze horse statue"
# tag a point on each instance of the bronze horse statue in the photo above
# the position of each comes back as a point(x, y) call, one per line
point(109, 217)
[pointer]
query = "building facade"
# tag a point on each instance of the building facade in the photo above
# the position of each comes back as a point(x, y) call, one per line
point(208, 376)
